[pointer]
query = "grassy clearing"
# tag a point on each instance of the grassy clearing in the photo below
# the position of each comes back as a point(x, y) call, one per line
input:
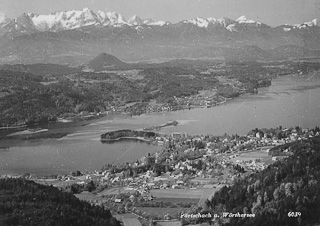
point(168, 223)
point(178, 200)
point(159, 213)
point(263, 155)
point(87, 196)
point(115, 191)
point(198, 196)
point(131, 222)
point(125, 216)
point(207, 194)
point(177, 193)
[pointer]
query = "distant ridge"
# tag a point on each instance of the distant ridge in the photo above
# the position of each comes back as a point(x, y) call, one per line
point(106, 61)
point(75, 37)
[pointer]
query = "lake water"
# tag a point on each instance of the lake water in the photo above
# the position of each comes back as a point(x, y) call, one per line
point(290, 101)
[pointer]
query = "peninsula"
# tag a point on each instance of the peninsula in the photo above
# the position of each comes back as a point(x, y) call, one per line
point(127, 134)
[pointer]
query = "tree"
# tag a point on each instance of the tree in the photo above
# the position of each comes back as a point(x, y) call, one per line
point(276, 194)
point(266, 197)
point(90, 186)
point(75, 189)
point(288, 189)
point(257, 185)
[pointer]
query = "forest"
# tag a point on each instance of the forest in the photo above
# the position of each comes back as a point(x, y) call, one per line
point(29, 98)
point(24, 202)
point(127, 133)
point(286, 193)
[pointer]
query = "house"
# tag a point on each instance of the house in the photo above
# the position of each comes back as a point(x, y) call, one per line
point(179, 135)
point(151, 185)
point(116, 179)
point(165, 185)
point(180, 182)
point(132, 198)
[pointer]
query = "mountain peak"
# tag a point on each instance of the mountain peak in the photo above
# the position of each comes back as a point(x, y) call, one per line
point(116, 18)
point(104, 61)
point(4, 19)
point(135, 20)
point(311, 23)
point(198, 21)
point(242, 18)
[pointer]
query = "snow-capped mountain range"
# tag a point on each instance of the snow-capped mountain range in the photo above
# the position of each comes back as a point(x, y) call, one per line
point(76, 36)
point(68, 20)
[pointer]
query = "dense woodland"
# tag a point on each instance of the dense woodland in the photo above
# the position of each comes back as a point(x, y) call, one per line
point(127, 133)
point(33, 98)
point(290, 185)
point(24, 202)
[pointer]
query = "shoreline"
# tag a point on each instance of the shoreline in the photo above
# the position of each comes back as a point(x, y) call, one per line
point(7, 131)
point(126, 138)
point(118, 115)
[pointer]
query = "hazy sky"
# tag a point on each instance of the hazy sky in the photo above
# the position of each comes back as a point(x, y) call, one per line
point(272, 12)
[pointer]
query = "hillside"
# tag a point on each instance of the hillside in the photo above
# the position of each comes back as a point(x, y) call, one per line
point(288, 186)
point(41, 93)
point(24, 202)
point(30, 98)
point(41, 69)
point(106, 61)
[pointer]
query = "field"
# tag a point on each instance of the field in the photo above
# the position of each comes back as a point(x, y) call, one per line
point(125, 216)
point(253, 155)
point(115, 191)
point(177, 193)
point(169, 223)
point(160, 212)
point(178, 200)
point(204, 180)
point(112, 191)
point(131, 222)
point(87, 196)
point(206, 194)
point(184, 195)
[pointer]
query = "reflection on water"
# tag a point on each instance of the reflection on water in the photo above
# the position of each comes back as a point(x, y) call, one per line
point(305, 87)
point(290, 101)
point(64, 156)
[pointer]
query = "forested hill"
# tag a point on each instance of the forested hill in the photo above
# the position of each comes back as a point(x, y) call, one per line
point(24, 202)
point(286, 193)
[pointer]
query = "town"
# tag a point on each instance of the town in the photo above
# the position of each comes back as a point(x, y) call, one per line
point(181, 177)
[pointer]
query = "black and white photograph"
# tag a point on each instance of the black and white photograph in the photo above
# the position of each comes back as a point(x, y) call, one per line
point(159, 112)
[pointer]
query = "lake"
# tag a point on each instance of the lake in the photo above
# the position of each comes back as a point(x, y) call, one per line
point(290, 101)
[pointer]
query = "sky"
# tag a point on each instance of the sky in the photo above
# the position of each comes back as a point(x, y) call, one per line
point(271, 12)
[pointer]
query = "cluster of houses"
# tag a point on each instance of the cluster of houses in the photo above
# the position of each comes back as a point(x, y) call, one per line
point(186, 159)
